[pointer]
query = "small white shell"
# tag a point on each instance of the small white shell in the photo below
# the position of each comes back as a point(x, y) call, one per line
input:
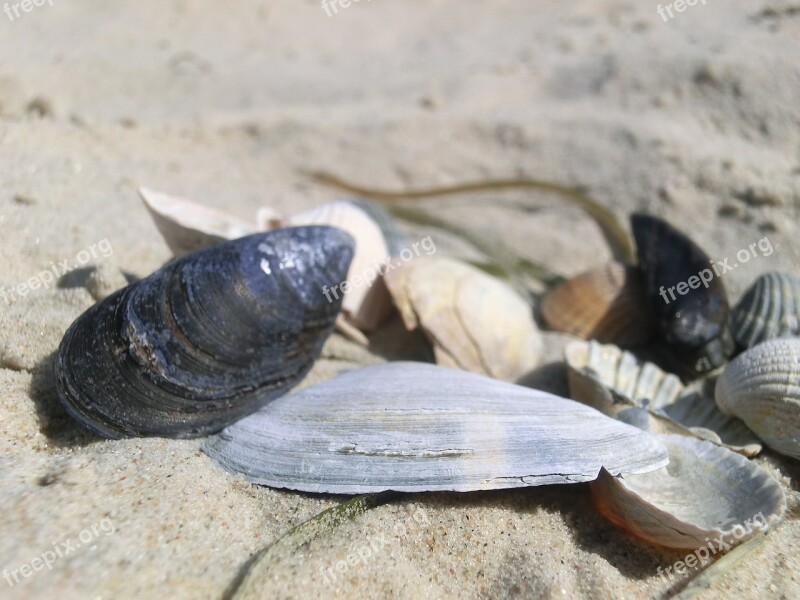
point(705, 493)
point(187, 226)
point(618, 384)
point(418, 427)
point(762, 387)
point(366, 302)
point(474, 321)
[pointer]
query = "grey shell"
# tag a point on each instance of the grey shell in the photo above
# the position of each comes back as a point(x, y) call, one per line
point(418, 427)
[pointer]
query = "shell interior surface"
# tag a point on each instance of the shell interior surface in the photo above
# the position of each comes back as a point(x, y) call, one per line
point(474, 321)
point(706, 492)
point(417, 427)
point(187, 226)
point(616, 383)
point(770, 308)
point(205, 340)
point(606, 303)
point(691, 314)
point(761, 386)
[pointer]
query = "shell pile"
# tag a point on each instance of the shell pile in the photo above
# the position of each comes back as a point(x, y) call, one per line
point(212, 342)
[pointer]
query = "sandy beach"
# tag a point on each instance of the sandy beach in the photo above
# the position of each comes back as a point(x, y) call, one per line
point(694, 118)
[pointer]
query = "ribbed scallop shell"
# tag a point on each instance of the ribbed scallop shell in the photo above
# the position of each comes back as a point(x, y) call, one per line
point(705, 493)
point(606, 303)
point(639, 393)
point(474, 321)
point(762, 387)
point(769, 309)
point(417, 427)
point(205, 340)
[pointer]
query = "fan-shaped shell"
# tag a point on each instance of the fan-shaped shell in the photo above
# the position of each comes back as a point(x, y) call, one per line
point(762, 387)
point(641, 394)
point(205, 340)
point(606, 303)
point(705, 493)
point(418, 427)
point(474, 321)
point(769, 309)
point(689, 302)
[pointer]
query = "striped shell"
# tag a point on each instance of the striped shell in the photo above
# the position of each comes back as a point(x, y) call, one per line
point(417, 427)
point(762, 387)
point(606, 303)
point(641, 394)
point(706, 492)
point(769, 309)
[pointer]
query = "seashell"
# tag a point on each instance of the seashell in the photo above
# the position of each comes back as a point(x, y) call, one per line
point(187, 226)
point(417, 427)
point(769, 309)
point(705, 493)
point(205, 340)
point(694, 325)
point(474, 321)
point(639, 393)
point(606, 303)
point(367, 302)
point(761, 386)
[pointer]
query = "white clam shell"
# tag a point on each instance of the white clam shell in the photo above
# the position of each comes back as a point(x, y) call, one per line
point(705, 493)
point(418, 427)
point(616, 383)
point(762, 387)
point(474, 321)
point(187, 226)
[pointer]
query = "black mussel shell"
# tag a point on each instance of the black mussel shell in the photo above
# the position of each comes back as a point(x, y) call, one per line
point(207, 339)
point(693, 324)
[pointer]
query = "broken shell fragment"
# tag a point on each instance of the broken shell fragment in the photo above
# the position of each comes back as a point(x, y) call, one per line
point(694, 321)
point(205, 340)
point(606, 303)
point(769, 309)
point(474, 321)
point(417, 427)
point(187, 226)
point(762, 387)
point(705, 493)
point(616, 383)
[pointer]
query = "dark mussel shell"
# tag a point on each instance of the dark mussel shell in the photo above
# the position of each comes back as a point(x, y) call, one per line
point(695, 324)
point(207, 339)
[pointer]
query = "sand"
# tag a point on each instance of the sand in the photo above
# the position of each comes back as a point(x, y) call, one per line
point(695, 119)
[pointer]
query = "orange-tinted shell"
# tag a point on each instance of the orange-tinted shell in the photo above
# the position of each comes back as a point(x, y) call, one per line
point(606, 303)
